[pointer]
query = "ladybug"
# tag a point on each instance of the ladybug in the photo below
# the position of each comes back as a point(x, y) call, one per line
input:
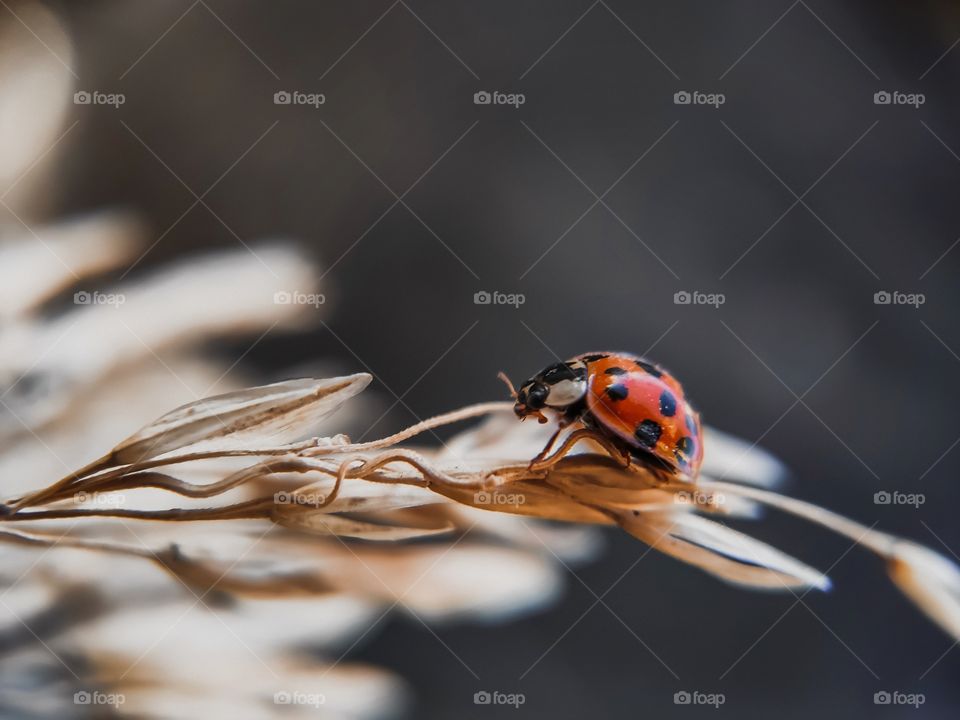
point(634, 403)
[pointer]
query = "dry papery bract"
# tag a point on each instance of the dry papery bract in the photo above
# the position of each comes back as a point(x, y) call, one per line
point(382, 490)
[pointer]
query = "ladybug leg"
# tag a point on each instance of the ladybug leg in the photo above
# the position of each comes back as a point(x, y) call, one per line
point(563, 423)
point(618, 451)
point(613, 449)
point(542, 455)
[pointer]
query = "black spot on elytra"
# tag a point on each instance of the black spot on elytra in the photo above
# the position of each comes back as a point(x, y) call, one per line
point(648, 367)
point(594, 357)
point(617, 392)
point(647, 433)
point(614, 371)
point(668, 404)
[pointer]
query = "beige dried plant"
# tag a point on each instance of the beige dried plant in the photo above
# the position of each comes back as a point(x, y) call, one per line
point(387, 490)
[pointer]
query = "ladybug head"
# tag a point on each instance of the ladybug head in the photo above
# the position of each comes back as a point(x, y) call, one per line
point(558, 387)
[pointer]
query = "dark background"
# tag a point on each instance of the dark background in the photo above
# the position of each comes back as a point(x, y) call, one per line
point(399, 79)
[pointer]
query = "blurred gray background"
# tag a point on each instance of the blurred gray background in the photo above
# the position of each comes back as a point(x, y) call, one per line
point(797, 199)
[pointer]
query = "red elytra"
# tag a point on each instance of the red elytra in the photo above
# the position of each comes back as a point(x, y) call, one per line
point(645, 406)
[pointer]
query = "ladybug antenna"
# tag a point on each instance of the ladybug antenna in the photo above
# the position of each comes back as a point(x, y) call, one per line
point(503, 376)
